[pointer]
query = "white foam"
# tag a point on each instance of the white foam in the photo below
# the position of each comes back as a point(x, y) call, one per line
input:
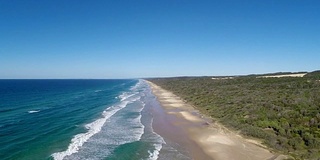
point(98, 91)
point(34, 111)
point(155, 154)
point(140, 132)
point(158, 145)
point(134, 90)
point(93, 128)
point(139, 83)
point(126, 95)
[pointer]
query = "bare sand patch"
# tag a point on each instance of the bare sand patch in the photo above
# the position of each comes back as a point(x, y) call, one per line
point(170, 100)
point(223, 78)
point(177, 105)
point(190, 117)
point(219, 139)
point(284, 75)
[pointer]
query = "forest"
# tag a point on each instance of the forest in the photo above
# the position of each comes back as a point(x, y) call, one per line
point(283, 112)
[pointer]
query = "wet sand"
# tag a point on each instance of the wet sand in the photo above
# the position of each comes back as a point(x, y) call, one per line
point(202, 138)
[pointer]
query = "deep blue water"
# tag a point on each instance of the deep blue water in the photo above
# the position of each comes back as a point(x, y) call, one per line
point(79, 119)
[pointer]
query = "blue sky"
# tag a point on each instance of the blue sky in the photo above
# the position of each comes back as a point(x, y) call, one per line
point(157, 38)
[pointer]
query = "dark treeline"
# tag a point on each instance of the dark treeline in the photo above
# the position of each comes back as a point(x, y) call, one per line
point(283, 112)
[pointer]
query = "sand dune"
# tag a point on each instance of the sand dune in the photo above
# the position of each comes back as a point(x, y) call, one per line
point(284, 75)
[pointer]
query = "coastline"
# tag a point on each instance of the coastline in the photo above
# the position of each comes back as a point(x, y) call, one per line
point(201, 137)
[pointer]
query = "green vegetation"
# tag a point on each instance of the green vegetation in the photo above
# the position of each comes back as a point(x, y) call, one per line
point(283, 112)
point(313, 75)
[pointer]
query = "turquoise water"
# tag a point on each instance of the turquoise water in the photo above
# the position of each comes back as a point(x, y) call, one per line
point(79, 119)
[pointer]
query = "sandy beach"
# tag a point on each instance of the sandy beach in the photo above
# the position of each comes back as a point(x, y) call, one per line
point(203, 138)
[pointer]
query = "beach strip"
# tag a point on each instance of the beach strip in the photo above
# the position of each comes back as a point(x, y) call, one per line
point(202, 138)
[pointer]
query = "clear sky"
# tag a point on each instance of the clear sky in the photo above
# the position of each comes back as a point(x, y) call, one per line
point(156, 38)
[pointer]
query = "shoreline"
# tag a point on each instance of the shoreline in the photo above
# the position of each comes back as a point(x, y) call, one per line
point(171, 128)
point(201, 137)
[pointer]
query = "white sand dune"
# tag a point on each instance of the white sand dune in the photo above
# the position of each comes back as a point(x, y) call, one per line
point(284, 75)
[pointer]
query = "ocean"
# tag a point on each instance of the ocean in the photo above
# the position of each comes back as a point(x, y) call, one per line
point(80, 119)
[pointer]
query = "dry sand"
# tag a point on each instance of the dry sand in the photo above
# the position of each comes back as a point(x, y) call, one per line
point(223, 78)
point(203, 138)
point(284, 75)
